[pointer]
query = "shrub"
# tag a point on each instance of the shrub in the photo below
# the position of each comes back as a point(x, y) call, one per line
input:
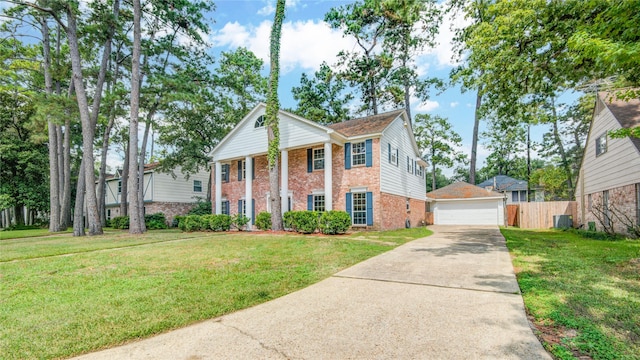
point(120, 222)
point(288, 220)
point(263, 221)
point(334, 222)
point(305, 222)
point(205, 221)
point(220, 222)
point(178, 221)
point(239, 221)
point(201, 208)
point(192, 223)
point(155, 221)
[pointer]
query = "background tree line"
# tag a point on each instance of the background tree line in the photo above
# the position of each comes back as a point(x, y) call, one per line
point(77, 80)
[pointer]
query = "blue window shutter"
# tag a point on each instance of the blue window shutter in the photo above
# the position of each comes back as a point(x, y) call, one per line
point(239, 170)
point(348, 207)
point(389, 152)
point(239, 207)
point(253, 169)
point(368, 147)
point(309, 202)
point(369, 208)
point(347, 156)
point(253, 211)
point(408, 167)
point(309, 160)
point(413, 168)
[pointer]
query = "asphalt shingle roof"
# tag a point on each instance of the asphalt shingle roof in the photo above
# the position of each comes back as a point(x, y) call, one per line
point(462, 190)
point(504, 183)
point(626, 112)
point(367, 125)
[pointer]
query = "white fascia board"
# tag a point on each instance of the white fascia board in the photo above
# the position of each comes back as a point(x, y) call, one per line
point(466, 199)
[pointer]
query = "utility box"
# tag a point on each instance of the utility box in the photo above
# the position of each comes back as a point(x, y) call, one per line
point(562, 221)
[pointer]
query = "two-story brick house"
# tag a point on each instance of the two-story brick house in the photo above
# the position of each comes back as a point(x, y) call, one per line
point(369, 167)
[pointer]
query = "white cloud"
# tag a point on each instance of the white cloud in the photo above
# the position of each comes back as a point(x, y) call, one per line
point(454, 104)
point(304, 43)
point(269, 9)
point(427, 106)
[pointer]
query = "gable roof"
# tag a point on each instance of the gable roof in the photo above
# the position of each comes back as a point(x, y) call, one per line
point(626, 112)
point(374, 124)
point(504, 183)
point(147, 168)
point(463, 190)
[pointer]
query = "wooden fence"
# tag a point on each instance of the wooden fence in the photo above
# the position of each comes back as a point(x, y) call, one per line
point(539, 215)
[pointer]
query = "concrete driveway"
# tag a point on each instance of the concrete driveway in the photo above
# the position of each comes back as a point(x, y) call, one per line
point(452, 295)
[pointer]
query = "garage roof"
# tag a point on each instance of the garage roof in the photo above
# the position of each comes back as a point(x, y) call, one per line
point(462, 190)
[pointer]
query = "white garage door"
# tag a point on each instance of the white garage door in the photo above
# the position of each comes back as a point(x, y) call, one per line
point(469, 212)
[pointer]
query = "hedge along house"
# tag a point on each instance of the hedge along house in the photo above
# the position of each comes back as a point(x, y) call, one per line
point(369, 167)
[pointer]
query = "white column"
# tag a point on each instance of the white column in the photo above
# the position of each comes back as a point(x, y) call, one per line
point(217, 173)
point(248, 188)
point(328, 177)
point(284, 181)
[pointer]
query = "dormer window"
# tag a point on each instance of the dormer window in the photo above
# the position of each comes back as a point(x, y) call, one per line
point(260, 122)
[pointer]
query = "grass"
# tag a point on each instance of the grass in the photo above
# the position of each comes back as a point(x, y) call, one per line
point(24, 233)
point(583, 294)
point(109, 290)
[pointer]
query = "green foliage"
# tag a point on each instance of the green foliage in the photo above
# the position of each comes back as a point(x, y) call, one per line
point(239, 221)
point(263, 221)
point(334, 222)
point(120, 222)
point(205, 221)
point(220, 222)
point(178, 221)
point(305, 222)
point(192, 223)
point(155, 221)
point(201, 208)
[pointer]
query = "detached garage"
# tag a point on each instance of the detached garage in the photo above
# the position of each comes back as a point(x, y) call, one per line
point(464, 204)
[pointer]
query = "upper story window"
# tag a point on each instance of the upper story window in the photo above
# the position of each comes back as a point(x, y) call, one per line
point(410, 164)
point(119, 186)
point(197, 185)
point(601, 144)
point(419, 171)
point(318, 159)
point(358, 154)
point(260, 122)
point(224, 173)
point(393, 156)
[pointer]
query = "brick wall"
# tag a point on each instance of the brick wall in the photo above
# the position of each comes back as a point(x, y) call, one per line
point(169, 209)
point(621, 199)
point(394, 211)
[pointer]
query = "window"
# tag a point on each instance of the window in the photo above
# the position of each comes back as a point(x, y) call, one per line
point(119, 186)
point(393, 155)
point(519, 196)
point(242, 207)
point(410, 165)
point(359, 209)
point(225, 207)
point(318, 159)
point(419, 171)
point(358, 154)
point(225, 173)
point(601, 144)
point(408, 206)
point(108, 214)
point(242, 170)
point(260, 122)
point(197, 185)
point(523, 196)
point(318, 203)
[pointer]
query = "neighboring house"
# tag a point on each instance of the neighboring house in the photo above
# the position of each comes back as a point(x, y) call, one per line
point(162, 193)
point(461, 203)
point(515, 190)
point(608, 185)
point(369, 167)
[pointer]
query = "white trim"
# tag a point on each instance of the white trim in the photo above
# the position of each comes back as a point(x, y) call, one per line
point(466, 199)
point(358, 189)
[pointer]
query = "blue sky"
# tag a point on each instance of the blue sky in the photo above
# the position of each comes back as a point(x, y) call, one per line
point(307, 41)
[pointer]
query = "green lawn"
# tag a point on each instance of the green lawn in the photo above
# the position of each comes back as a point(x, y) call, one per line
point(107, 290)
point(16, 234)
point(583, 294)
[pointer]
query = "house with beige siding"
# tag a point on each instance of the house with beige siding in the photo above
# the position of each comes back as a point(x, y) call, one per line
point(162, 192)
point(608, 186)
point(369, 167)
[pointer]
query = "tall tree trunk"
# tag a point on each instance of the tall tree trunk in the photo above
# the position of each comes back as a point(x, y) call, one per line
point(102, 188)
point(407, 85)
point(528, 161)
point(88, 128)
point(474, 141)
point(124, 183)
point(141, 161)
point(54, 178)
point(135, 222)
point(433, 170)
point(19, 212)
point(65, 209)
point(560, 145)
point(273, 131)
point(78, 213)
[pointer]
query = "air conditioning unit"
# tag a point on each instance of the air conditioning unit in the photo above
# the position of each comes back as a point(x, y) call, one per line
point(562, 221)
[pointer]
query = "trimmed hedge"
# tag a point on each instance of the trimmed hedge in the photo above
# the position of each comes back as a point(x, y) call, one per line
point(152, 221)
point(239, 221)
point(305, 222)
point(207, 222)
point(120, 222)
point(263, 221)
point(334, 222)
